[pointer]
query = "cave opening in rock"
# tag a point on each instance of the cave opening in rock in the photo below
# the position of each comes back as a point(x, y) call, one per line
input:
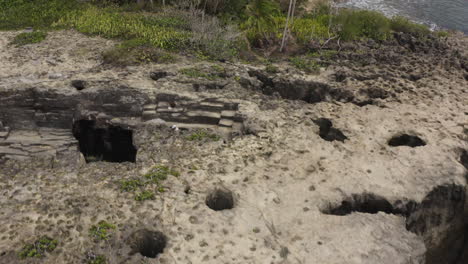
point(406, 140)
point(328, 132)
point(148, 243)
point(219, 200)
point(111, 144)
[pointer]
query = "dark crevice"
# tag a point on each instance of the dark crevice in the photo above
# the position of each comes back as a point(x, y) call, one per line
point(464, 159)
point(111, 144)
point(406, 140)
point(440, 220)
point(328, 132)
point(148, 243)
point(220, 200)
point(368, 203)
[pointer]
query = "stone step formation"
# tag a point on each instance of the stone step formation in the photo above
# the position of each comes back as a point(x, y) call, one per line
point(189, 113)
point(40, 122)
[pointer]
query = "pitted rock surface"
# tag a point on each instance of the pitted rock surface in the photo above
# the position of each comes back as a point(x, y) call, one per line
point(297, 198)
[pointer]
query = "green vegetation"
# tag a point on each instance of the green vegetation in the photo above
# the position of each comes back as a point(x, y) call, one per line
point(401, 24)
point(131, 185)
point(305, 64)
point(154, 177)
point(29, 38)
point(200, 135)
point(99, 259)
point(102, 230)
point(160, 173)
point(136, 51)
point(215, 72)
point(144, 195)
point(150, 33)
point(361, 24)
point(271, 68)
point(38, 248)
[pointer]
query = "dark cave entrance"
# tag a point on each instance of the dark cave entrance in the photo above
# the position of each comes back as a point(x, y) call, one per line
point(111, 144)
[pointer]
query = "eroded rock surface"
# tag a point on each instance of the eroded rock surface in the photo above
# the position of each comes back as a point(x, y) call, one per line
point(285, 195)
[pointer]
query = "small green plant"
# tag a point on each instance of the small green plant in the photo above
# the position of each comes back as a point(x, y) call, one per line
point(200, 135)
point(198, 73)
point(38, 248)
point(29, 38)
point(134, 52)
point(442, 34)
point(102, 230)
point(160, 173)
point(270, 68)
point(306, 65)
point(99, 259)
point(144, 195)
point(131, 185)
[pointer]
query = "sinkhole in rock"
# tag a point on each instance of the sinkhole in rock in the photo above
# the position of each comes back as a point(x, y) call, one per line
point(440, 219)
point(111, 144)
point(219, 200)
point(328, 132)
point(406, 140)
point(148, 243)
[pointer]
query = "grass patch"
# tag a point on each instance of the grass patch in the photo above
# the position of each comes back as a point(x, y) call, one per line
point(160, 173)
point(200, 135)
point(110, 22)
point(38, 248)
point(155, 176)
point(28, 38)
point(40, 14)
point(101, 231)
point(131, 185)
point(306, 65)
point(144, 195)
point(136, 51)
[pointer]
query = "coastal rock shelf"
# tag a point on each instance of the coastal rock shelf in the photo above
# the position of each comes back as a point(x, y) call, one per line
point(363, 162)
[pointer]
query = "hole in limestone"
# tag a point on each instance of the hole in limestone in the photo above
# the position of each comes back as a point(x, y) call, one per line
point(364, 203)
point(148, 243)
point(220, 200)
point(328, 132)
point(406, 140)
point(440, 219)
point(112, 144)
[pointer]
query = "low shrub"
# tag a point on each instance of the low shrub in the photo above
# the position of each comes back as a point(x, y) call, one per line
point(38, 248)
point(134, 52)
point(361, 24)
point(17, 14)
point(402, 24)
point(101, 231)
point(304, 64)
point(28, 38)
